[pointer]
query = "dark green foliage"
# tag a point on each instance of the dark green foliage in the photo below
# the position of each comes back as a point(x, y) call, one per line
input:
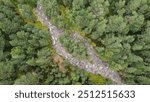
point(73, 76)
point(9, 24)
point(25, 49)
point(77, 49)
point(28, 79)
point(7, 72)
point(26, 11)
point(119, 28)
point(51, 9)
point(28, 2)
point(28, 47)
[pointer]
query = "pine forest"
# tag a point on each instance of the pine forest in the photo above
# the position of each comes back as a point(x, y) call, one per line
point(74, 42)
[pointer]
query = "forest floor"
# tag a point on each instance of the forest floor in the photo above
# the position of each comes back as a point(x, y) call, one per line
point(96, 66)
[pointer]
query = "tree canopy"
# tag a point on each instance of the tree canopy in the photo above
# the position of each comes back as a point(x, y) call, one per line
point(119, 31)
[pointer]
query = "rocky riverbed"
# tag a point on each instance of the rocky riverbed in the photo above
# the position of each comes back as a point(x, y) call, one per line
point(96, 66)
